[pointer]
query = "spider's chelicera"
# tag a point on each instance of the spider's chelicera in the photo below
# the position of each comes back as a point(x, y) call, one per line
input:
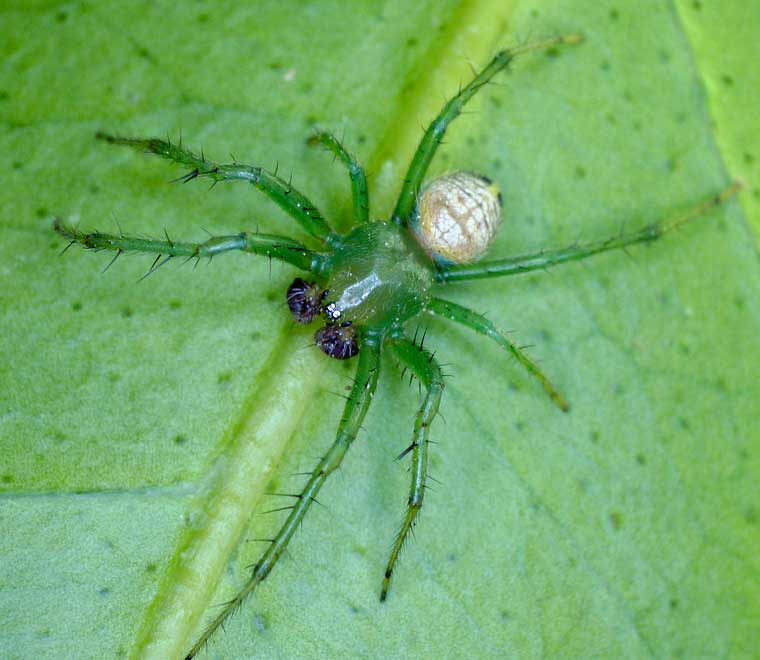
point(365, 286)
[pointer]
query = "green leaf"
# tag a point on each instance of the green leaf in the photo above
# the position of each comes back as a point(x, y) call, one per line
point(141, 424)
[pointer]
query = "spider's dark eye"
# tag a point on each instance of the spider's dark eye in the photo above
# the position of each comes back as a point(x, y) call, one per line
point(337, 341)
point(332, 312)
point(303, 300)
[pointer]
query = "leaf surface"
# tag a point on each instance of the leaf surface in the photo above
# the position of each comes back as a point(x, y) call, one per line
point(141, 424)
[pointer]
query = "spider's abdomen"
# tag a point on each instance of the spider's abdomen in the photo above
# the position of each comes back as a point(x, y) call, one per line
point(379, 278)
point(457, 217)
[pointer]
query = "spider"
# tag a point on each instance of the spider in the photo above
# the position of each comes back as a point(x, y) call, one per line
point(369, 284)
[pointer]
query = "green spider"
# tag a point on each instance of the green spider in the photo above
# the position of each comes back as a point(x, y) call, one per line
point(368, 284)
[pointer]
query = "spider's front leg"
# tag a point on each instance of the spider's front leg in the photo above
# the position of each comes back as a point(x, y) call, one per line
point(268, 245)
point(423, 365)
point(483, 326)
point(354, 412)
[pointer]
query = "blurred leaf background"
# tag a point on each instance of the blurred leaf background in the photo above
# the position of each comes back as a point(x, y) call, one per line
point(141, 424)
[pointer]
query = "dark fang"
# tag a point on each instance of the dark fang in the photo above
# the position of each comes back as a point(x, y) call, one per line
point(337, 341)
point(303, 300)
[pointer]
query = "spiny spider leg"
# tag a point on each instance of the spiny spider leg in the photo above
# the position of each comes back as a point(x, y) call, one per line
point(294, 203)
point(423, 365)
point(359, 189)
point(482, 325)
point(353, 415)
point(268, 245)
point(433, 136)
point(545, 259)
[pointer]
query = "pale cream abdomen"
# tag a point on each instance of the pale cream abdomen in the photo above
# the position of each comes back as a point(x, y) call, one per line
point(457, 216)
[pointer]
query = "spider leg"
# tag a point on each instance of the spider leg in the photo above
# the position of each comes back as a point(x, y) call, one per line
point(482, 325)
point(359, 189)
point(433, 136)
point(294, 203)
point(276, 247)
point(423, 365)
point(545, 259)
point(353, 414)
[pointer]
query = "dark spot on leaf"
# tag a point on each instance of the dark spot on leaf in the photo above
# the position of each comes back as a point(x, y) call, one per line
point(616, 520)
point(180, 439)
point(673, 603)
point(76, 306)
point(641, 459)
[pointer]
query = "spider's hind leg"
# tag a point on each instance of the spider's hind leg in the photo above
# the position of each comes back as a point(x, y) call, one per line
point(426, 369)
point(433, 136)
point(359, 189)
point(548, 258)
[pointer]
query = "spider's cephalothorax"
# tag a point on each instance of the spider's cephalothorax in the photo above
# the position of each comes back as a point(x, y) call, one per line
point(377, 278)
point(369, 283)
